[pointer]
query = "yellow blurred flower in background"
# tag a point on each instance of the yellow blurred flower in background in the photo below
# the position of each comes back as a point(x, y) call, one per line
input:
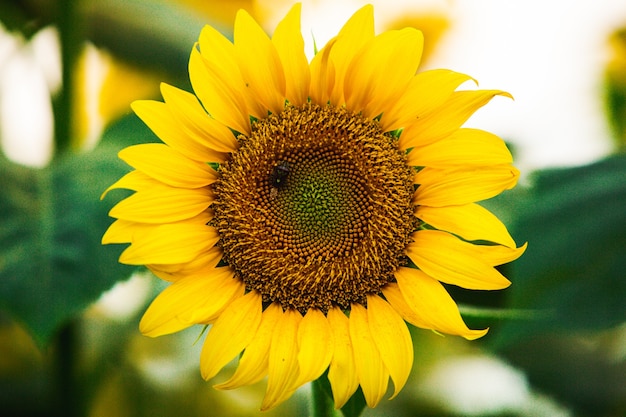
point(104, 88)
point(306, 210)
point(615, 82)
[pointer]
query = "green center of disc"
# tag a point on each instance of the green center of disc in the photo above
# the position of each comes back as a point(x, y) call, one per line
point(318, 200)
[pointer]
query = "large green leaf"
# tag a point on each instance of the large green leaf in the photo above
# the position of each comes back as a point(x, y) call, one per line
point(52, 264)
point(574, 270)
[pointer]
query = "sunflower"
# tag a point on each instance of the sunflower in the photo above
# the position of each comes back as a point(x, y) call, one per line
point(307, 211)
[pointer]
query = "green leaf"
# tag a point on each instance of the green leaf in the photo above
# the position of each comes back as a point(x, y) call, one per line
point(573, 270)
point(52, 264)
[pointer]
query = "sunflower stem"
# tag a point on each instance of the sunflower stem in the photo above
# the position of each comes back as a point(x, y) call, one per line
point(503, 314)
point(66, 390)
point(322, 403)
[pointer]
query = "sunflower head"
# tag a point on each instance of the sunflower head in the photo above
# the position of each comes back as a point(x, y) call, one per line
point(308, 210)
point(314, 210)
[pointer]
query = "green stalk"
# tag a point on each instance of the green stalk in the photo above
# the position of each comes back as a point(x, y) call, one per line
point(69, 27)
point(322, 404)
point(67, 399)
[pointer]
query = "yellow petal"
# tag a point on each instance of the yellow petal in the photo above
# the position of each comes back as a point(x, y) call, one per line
point(204, 263)
point(162, 205)
point(342, 371)
point(463, 147)
point(395, 298)
point(447, 118)
point(470, 221)
point(431, 303)
point(289, 44)
point(164, 164)
point(219, 52)
point(392, 339)
point(191, 300)
point(322, 75)
point(357, 31)
point(253, 364)
point(195, 122)
point(372, 373)
point(134, 180)
point(122, 231)
point(315, 346)
point(382, 70)
point(170, 244)
point(453, 261)
point(260, 64)
point(219, 91)
point(438, 188)
point(427, 91)
point(283, 360)
point(158, 116)
point(498, 255)
point(232, 332)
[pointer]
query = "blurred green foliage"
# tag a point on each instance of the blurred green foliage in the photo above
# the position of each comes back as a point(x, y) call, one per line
point(575, 267)
point(572, 279)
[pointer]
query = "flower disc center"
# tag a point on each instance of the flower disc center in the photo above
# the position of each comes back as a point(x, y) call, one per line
point(317, 208)
point(314, 209)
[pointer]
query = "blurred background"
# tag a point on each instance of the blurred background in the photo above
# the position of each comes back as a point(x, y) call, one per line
point(69, 312)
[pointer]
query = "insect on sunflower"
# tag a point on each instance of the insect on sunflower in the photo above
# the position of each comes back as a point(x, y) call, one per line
point(308, 210)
